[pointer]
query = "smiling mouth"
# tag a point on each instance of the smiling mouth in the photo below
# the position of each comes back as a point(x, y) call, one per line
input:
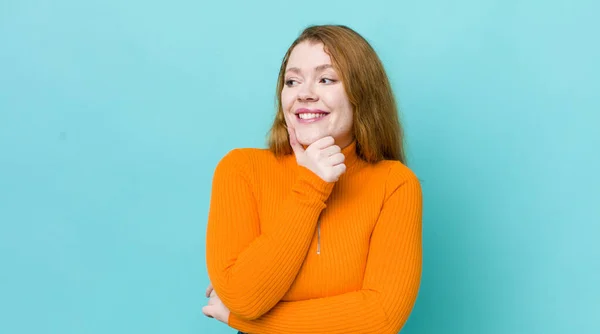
point(311, 116)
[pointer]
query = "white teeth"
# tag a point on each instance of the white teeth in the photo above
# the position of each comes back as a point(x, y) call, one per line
point(310, 115)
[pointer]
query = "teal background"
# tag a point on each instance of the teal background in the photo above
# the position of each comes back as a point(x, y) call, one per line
point(113, 115)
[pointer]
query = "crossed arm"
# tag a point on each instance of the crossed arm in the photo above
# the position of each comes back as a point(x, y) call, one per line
point(253, 271)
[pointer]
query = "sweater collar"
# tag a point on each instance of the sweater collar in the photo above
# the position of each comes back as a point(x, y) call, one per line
point(351, 157)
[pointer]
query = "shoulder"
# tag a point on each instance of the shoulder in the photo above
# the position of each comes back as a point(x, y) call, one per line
point(248, 156)
point(246, 160)
point(398, 176)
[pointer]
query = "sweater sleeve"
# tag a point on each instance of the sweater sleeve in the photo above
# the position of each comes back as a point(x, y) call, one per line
point(390, 286)
point(251, 271)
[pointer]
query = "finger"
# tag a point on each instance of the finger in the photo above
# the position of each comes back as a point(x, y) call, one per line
point(213, 301)
point(331, 150)
point(209, 289)
point(336, 159)
point(213, 293)
point(296, 146)
point(340, 168)
point(207, 310)
point(323, 142)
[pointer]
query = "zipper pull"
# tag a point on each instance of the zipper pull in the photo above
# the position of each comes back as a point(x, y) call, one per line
point(319, 237)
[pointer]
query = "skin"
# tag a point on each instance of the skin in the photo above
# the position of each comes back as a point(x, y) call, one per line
point(311, 83)
point(215, 307)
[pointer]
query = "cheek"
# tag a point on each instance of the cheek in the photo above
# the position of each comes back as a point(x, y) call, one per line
point(287, 99)
point(346, 115)
point(346, 122)
point(339, 101)
point(349, 114)
point(336, 98)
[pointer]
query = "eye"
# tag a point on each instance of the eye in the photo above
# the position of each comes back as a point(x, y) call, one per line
point(327, 81)
point(291, 82)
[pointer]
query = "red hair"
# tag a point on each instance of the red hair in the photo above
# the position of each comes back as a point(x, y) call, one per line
point(376, 125)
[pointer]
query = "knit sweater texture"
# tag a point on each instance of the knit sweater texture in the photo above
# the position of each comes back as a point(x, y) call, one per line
point(290, 253)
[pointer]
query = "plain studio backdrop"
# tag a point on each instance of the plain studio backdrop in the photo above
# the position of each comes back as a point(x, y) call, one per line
point(113, 115)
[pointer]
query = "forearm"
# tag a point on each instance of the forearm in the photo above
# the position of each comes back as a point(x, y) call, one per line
point(250, 267)
point(390, 285)
point(356, 312)
point(254, 281)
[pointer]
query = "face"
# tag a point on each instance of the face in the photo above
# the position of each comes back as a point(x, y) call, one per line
point(313, 97)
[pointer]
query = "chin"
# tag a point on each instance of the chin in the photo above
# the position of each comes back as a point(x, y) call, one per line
point(307, 140)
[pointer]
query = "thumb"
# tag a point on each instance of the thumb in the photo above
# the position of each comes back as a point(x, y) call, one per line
point(296, 146)
point(209, 290)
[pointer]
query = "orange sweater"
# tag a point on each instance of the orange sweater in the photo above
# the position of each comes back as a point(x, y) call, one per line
point(290, 253)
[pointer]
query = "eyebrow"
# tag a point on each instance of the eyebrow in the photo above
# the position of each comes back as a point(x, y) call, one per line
point(319, 68)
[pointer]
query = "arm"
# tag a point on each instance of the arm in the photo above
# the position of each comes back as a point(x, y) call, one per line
point(251, 271)
point(391, 283)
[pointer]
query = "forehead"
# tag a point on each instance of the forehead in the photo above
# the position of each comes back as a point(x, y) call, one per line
point(308, 55)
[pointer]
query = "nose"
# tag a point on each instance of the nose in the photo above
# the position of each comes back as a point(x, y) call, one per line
point(307, 93)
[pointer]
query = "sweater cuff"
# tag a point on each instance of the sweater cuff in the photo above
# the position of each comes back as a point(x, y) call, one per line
point(312, 185)
point(234, 322)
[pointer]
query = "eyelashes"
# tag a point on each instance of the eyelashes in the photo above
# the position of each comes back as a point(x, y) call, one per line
point(290, 83)
point(327, 81)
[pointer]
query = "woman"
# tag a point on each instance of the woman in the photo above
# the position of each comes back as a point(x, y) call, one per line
point(321, 233)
